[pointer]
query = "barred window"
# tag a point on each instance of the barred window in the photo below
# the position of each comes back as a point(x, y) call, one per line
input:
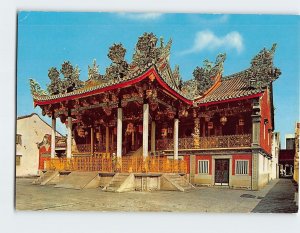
point(18, 160)
point(242, 167)
point(19, 139)
point(203, 167)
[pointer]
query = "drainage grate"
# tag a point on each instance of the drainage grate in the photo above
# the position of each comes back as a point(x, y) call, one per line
point(247, 196)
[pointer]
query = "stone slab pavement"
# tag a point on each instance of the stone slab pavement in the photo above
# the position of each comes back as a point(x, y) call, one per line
point(202, 199)
point(280, 199)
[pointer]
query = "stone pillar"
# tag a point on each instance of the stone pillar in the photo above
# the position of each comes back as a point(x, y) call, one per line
point(112, 139)
point(145, 129)
point(69, 138)
point(119, 133)
point(192, 168)
point(92, 140)
point(53, 130)
point(196, 133)
point(106, 139)
point(256, 118)
point(153, 129)
point(176, 124)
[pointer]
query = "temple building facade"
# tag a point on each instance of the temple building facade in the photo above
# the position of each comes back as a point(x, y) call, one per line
point(141, 117)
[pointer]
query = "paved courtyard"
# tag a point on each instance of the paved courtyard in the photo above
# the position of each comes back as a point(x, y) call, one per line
point(275, 197)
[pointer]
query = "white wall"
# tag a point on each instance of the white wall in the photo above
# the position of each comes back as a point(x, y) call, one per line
point(32, 129)
point(275, 156)
point(263, 170)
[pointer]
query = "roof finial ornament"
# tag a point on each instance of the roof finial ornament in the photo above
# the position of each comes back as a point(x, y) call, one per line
point(36, 88)
point(205, 76)
point(119, 67)
point(161, 42)
point(93, 71)
point(55, 85)
point(146, 52)
point(71, 80)
point(262, 71)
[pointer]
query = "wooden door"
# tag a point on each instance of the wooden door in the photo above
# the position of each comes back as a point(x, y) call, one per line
point(222, 171)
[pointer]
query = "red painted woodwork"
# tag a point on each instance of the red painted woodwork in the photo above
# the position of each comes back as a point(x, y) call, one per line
point(187, 159)
point(242, 157)
point(149, 72)
point(42, 151)
point(230, 100)
point(204, 157)
point(265, 105)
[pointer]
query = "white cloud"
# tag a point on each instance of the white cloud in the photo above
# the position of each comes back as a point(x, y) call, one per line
point(141, 16)
point(215, 20)
point(208, 40)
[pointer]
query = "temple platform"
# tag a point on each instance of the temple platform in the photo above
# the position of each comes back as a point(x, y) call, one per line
point(116, 182)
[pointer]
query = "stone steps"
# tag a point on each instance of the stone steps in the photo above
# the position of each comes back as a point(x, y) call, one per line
point(178, 182)
point(45, 177)
point(116, 182)
point(77, 180)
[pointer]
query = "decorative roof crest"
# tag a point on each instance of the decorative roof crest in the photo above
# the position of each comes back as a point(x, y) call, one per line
point(262, 71)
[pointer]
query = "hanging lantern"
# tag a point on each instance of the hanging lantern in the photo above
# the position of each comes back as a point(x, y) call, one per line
point(140, 129)
point(241, 121)
point(98, 136)
point(223, 120)
point(130, 128)
point(148, 93)
point(170, 114)
point(164, 132)
point(115, 131)
point(80, 132)
point(107, 110)
point(153, 106)
point(207, 118)
point(210, 125)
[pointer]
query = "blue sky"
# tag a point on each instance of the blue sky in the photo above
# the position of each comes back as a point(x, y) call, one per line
point(47, 39)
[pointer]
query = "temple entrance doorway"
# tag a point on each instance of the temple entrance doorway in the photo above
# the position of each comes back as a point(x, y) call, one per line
point(222, 172)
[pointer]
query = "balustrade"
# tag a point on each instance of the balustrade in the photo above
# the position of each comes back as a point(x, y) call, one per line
point(226, 141)
point(86, 148)
point(106, 163)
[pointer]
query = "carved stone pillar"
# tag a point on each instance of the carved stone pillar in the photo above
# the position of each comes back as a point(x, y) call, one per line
point(119, 133)
point(69, 138)
point(92, 140)
point(106, 139)
point(145, 129)
point(256, 118)
point(153, 128)
point(196, 134)
point(53, 129)
point(176, 125)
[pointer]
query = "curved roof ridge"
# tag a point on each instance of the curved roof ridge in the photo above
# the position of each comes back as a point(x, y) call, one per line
point(234, 75)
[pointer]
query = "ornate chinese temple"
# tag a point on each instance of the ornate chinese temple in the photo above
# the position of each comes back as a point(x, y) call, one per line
point(141, 117)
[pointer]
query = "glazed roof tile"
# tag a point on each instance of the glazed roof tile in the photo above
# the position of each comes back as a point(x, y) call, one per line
point(231, 87)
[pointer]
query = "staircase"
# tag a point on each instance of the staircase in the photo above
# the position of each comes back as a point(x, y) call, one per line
point(174, 181)
point(45, 177)
point(121, 182)
point(138, 152)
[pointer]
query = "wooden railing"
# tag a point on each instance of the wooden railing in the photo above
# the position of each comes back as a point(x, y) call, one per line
point(227, 141)
point(86, 148)
point(125, 164)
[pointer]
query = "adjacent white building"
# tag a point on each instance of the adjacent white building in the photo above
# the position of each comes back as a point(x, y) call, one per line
point(274, 166)
point(31, 130)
